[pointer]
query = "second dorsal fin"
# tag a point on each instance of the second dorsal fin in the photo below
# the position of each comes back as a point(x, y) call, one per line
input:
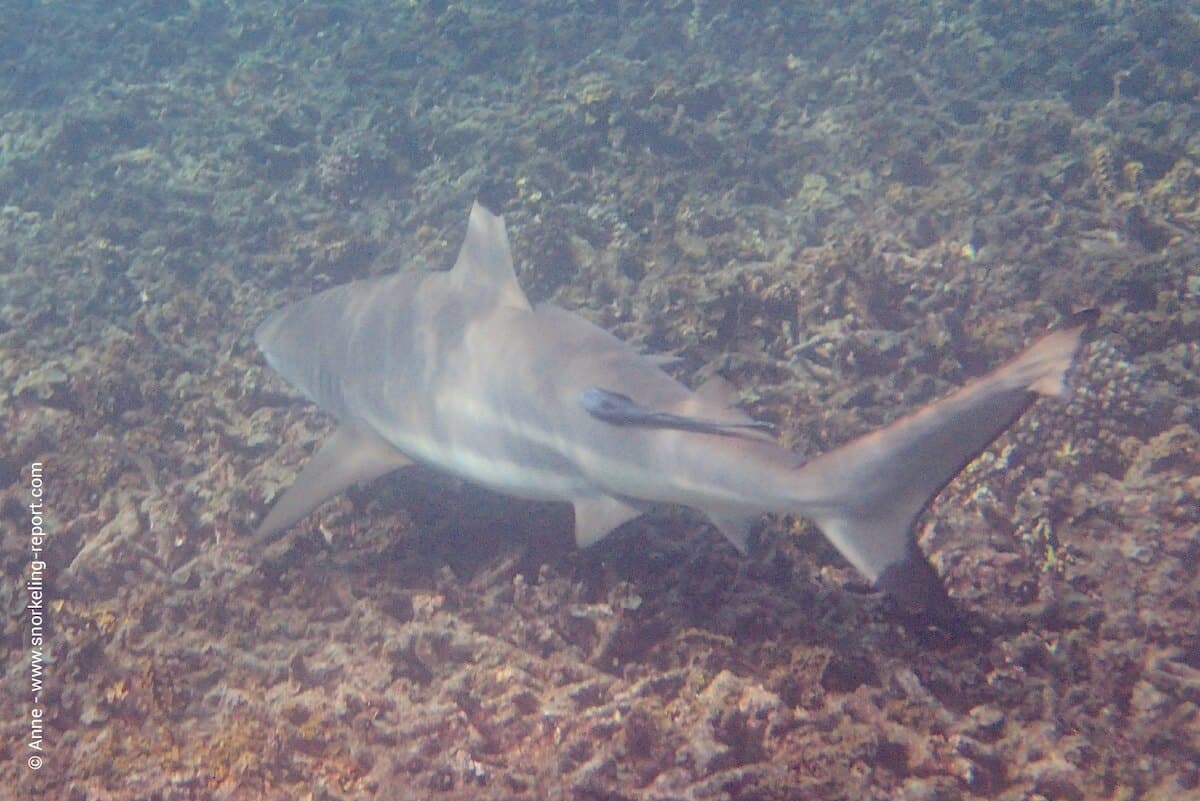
point(719, 391)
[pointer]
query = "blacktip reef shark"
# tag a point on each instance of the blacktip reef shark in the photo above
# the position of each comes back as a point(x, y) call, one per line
point(458, 371)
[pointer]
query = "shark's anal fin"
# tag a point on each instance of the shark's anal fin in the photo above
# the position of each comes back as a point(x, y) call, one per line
point(597, 515)
point(349, 455)
point(735, 529)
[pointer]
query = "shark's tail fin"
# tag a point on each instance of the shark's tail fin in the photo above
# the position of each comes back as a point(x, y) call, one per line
point(869, 492)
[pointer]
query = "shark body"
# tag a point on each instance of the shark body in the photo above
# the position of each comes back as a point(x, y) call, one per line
point(458, 371)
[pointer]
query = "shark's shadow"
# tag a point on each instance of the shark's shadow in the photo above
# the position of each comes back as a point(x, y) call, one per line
point(421, 530)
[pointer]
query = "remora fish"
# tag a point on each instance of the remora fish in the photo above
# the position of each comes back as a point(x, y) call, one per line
point(458, 371)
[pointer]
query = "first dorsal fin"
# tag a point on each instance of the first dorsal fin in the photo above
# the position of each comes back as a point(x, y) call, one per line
point(485, 261)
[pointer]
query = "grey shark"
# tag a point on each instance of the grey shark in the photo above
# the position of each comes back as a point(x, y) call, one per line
point(458, 371)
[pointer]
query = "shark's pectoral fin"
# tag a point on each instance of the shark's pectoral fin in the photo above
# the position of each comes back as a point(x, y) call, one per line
point(349, 455)
point(596, 516)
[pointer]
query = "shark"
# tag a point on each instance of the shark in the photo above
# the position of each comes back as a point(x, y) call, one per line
point(458, 371)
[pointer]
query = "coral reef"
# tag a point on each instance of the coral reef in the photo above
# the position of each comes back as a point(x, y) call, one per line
point(846, 209)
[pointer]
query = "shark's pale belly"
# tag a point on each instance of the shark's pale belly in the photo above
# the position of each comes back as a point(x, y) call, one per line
point(494, 453)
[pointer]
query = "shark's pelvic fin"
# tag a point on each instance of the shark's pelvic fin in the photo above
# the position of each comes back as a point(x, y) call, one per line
point(485, 260)
point(879, 483)
point(597, 515)
point(349, 455)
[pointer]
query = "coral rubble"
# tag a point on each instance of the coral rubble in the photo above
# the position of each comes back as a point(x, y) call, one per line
point(845, 208)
